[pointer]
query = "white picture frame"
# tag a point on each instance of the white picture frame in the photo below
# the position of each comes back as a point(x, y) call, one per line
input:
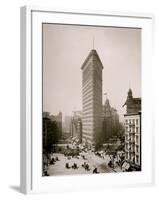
point(31, 102)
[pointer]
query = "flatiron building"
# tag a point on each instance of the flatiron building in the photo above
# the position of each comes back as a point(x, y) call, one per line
point(92, 99)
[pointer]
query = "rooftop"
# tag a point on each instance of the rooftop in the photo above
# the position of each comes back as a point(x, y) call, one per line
point(93, 52)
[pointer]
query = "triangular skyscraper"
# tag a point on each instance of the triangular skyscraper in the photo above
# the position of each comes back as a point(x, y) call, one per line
point(92, 99)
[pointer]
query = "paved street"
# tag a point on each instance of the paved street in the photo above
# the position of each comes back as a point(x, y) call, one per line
point(94, 161)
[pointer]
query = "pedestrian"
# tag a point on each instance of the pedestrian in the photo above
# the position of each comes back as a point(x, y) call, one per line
point(87, 167)
point(57, 159)
point(52, 162)
point(95, 171)
point(67, 165)
point(45, 173)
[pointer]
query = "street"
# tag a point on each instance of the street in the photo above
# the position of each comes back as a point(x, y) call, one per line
point(94, 161)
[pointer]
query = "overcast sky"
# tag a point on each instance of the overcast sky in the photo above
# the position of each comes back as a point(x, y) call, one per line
point(65, 47)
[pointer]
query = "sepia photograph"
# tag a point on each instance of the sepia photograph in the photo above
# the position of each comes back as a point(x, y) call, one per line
point(91, 99)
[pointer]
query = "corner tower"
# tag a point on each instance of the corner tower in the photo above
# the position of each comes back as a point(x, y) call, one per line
point(92, 99)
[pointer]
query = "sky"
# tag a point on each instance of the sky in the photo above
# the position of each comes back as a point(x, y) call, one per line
point(65, 48)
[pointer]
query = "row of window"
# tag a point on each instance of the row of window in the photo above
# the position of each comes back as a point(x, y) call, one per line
point(132, 130)
point(132, 138)
point(86, 136)
point(88, 89)
point(90, 84)
point(92, 93)
point(132, 121)
point(88, 130)
point(93, 112)
point(87, 127)
point(132, 158)
point(87, 98)
point(87, 118)
point(89, 108)
point(89, 73)
point(88, 114)
point(93, 108)
point(132, 148)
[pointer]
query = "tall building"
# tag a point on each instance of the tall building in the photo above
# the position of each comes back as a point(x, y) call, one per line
point(50, 132)
point(133, 131)
point(76, 126)
point(58, 119)
point(110, 121)
point(92, 99)
point(67, 124)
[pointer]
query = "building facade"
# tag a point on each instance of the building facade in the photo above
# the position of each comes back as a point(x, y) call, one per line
point(67, 124)
point(76, 126)
point(58, 119)
point(133, 105)
point(133, 131)
point(110, 121)
point(92, 99)
point(52, 130)
point(133, 139)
